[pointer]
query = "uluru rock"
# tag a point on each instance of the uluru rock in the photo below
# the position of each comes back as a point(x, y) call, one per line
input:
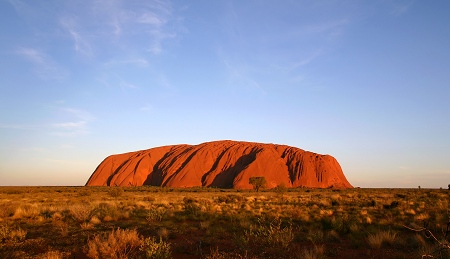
point(221, 164)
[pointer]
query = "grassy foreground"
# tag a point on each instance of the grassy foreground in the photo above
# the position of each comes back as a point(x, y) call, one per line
point(153, 222)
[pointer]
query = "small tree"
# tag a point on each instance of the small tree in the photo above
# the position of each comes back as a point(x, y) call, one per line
point(258, 182)
point(449, 186)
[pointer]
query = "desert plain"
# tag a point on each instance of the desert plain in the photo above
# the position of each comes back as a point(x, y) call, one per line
point(164, 222)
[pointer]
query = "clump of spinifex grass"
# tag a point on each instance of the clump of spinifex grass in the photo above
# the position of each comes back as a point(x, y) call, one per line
point(382, 238)
point(117, 244)
point(267, 236)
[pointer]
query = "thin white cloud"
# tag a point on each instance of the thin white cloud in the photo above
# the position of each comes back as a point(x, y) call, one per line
point(151, 18)
point(240, 76)
point(67, 146)
point(156, 40)
point(148, 19)
point(147, 107)
point(124, 84)
point(306, 60)
point(398, 8)
point(328, 29)
point(140, 62)
point(22, 8)
point(84, 115)
point(71, 125)
point(44, 66)
point(19, 126)
point(78, 124)
point(33, 55)
point(33, 149)
point(81, 44)
point(114, 80)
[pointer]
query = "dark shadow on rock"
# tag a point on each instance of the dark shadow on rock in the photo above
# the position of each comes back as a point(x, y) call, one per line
point(225, 179)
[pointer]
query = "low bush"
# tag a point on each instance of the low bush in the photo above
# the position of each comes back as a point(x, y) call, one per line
point(80, 213)
point(119, 244)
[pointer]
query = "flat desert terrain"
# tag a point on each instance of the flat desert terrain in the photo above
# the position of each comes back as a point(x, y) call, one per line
point(155, 222)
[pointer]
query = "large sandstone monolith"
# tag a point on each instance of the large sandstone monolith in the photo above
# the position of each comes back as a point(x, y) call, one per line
point(222, 164)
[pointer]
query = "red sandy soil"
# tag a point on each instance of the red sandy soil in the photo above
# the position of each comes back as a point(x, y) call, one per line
point(221, 164)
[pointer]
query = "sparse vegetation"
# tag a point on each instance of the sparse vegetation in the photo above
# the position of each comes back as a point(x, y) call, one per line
point(155, 222)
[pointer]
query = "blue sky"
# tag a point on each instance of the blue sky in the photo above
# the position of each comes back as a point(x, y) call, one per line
point(365, 81)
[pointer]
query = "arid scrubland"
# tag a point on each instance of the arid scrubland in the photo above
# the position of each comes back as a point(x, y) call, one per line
point(153, 222)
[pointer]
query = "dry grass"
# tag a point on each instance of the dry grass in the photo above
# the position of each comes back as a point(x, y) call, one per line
point(52, 255)
point(10, 234)
point(40, 222)
point(317, 252)
point(382, 238)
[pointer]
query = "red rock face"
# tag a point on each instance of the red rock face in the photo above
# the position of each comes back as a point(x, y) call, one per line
point(222, 164)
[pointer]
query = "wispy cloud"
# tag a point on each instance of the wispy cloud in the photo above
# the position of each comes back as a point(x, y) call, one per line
point(306, 60)
point(148, 19)
point(239, 75)
point(44, 66)
point(78, 124)
point(66, 146)
point(115, 80)
point(151, 19)
point(19, 126)
point(140, 62)
point(22, 8)
point(147, 107)
point(81, 44)
point(399, 8)
point(111, 32)
point(124, 84)
point(71, 125)
point(116, 22)
point(328, 29)
point(155, 42)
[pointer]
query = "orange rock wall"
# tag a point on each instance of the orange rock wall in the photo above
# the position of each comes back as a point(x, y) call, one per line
point(222, 164)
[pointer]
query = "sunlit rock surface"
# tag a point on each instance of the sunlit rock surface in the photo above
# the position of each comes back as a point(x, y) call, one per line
point(222, 164)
